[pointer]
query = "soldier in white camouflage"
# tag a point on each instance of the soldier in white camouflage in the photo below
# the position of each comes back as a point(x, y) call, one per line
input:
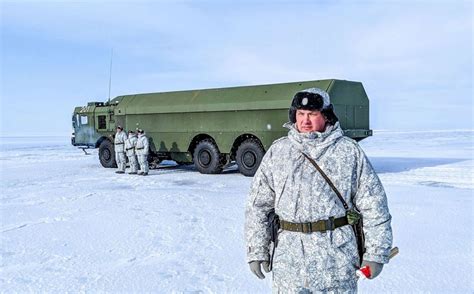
point(142, 149)
point(130, 151)
point(314, 259)
point(119, 146)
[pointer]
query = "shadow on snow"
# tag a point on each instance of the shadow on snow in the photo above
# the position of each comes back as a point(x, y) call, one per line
point(402, 164)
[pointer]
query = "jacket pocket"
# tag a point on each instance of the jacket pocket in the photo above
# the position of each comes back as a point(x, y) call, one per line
point(345, 245)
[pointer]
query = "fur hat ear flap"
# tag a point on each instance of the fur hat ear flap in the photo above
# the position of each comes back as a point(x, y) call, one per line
point(292, 114)
point(330, 115)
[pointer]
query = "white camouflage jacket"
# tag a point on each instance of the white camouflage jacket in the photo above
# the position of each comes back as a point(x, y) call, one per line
point(142, 145)
point(130, 145)
point(288, 182)
point(119, 141)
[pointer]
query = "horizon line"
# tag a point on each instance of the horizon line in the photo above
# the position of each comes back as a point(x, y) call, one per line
point(374, 130)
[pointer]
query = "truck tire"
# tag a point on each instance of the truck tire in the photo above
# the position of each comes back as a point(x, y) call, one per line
point(207, 157)
point(107, 154)
point(248, 157)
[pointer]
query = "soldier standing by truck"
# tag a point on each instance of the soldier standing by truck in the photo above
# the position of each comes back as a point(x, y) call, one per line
point(316, 249)
point(142, 149)
point(130, 144)
point(119, 141)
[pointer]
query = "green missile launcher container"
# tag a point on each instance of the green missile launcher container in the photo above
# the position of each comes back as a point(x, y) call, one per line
point(213, 127)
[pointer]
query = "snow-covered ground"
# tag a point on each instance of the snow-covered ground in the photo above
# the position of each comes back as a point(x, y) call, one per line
point(67, 224)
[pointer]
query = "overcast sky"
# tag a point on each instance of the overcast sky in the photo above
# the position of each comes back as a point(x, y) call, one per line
point(413, 57)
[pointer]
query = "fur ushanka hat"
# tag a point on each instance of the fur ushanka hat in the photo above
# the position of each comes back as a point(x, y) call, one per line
point(312, 99)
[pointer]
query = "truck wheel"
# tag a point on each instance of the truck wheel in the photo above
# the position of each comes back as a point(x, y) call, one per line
point(249, 155)
point(107, 154)
point(207, 157)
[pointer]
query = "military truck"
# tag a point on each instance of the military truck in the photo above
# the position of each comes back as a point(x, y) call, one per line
point(212, 127)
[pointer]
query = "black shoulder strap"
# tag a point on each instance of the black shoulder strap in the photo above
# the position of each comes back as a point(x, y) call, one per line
point(327, 180)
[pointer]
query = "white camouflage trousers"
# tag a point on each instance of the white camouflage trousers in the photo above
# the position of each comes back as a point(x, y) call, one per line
point(143, 161)
point(133, 163)
point(121, 161)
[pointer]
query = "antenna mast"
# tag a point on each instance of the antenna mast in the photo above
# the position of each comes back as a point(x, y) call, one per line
point(110, 76)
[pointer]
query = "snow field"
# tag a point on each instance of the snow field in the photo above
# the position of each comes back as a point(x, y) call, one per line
point(67, 224)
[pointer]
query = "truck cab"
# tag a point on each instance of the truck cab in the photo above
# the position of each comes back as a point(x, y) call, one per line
point(92, 123)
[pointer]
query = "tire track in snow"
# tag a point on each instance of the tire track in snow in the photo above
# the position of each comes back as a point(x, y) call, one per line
point(39, 222)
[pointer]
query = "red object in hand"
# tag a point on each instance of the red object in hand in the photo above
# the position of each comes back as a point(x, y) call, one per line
point(364, 272)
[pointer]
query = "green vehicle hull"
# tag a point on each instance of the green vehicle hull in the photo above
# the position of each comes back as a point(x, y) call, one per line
point(178, 122)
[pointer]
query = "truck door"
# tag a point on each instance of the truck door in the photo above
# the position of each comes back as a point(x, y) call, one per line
point(101, 119)
point(110, 119)
point(104, 119)
point(84, 121)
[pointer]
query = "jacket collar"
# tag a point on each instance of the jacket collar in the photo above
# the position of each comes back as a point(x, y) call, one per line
point(314, 143)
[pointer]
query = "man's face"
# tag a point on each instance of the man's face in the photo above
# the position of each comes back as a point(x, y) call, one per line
point(310, 121)
point(118, 130)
